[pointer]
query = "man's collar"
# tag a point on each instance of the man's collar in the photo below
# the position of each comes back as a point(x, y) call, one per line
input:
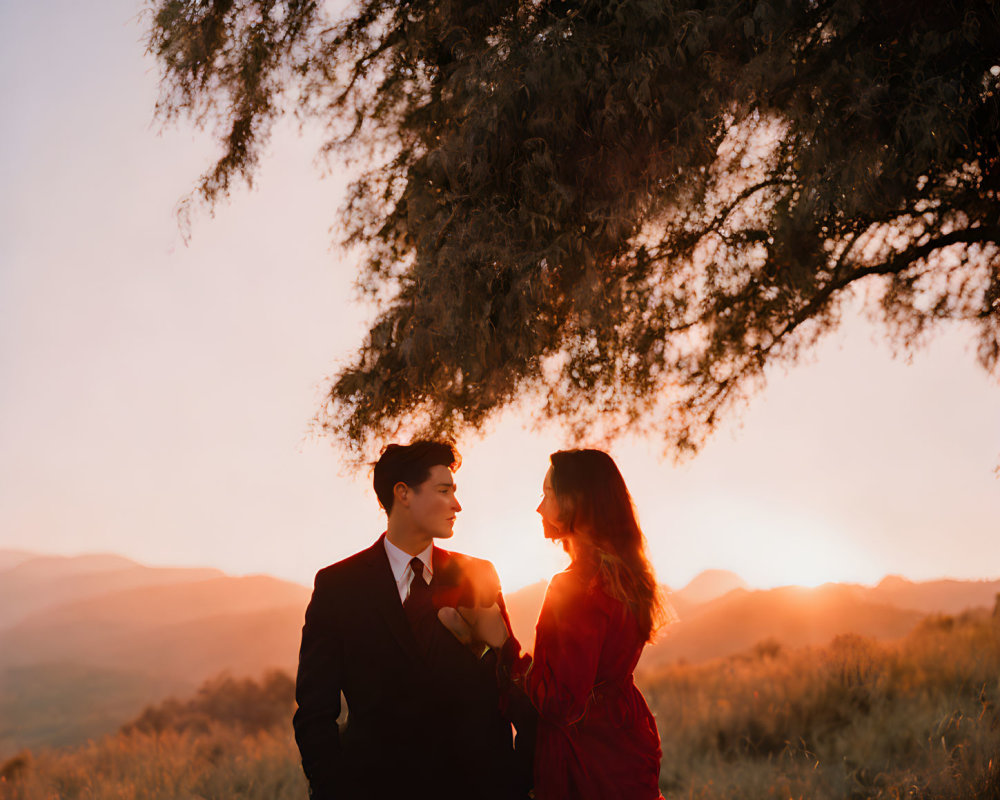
point(400, 560)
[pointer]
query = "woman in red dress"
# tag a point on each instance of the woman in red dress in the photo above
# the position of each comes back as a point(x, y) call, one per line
point(597, 739)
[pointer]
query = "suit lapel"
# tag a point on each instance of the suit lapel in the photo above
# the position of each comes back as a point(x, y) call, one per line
point(450, 587)
point(385, 596)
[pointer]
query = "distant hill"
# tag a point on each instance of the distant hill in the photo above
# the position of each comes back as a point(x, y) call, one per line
point(935, 597)
point(182, 631)
point(56, 565)
point(89, 641)
point(35, 583)
point(791, 616)
point(11, 558)
point(65, 704)
point(709, 585)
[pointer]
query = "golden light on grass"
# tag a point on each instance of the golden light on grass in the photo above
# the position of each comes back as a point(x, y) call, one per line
point(856, 718)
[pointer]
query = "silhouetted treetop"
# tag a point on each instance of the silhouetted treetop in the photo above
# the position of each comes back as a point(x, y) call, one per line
point(630, 208)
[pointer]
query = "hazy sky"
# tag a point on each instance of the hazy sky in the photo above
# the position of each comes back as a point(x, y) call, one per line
point(156, 396)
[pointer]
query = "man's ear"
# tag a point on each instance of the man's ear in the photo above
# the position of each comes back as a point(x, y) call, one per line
point(401, 494)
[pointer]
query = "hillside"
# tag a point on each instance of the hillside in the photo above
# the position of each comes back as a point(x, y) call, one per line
point(56, 705)
point(935, 597)
point(91, 639)
point(710, 585)
point(30, 583)
point(11, 558)
point(792, 616)
point(918, 718)
point(165, 629)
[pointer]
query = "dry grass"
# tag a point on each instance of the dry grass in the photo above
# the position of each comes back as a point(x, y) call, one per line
point(218, 764)
point(856, 719)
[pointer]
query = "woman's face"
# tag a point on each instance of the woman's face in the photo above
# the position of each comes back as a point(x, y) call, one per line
point(549, 510)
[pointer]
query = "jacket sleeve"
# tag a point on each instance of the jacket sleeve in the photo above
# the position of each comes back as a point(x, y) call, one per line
point(517, 708)
point(560, 678)
point(514, 704)
point(317, 694)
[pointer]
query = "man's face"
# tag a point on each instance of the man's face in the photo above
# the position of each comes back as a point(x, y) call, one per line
point(433, 504)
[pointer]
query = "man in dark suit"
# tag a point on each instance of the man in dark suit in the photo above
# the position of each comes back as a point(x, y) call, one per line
point(424, 712)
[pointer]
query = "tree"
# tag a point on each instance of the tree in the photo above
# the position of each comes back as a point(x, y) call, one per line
point(628, 207)
point(240, 703)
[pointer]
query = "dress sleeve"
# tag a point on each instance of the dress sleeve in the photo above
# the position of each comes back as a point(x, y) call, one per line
point(569, 637)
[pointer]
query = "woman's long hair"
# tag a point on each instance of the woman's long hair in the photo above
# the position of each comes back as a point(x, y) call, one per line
point(596, 508)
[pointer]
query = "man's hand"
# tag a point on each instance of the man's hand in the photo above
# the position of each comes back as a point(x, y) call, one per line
point(475, 627)
point(459, 626)
point(489, 625)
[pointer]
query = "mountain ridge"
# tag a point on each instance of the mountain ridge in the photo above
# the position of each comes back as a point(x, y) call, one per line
point(82, 619)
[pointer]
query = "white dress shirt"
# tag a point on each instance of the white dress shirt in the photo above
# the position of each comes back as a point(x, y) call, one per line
point(401, 570)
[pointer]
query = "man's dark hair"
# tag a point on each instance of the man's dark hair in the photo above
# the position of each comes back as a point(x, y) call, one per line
point(410, 464)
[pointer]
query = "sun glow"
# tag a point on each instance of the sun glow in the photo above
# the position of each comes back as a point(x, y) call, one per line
point(765, 544)
point(801, 552)
point(514, 543)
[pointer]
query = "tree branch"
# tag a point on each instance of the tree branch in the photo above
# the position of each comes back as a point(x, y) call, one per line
point(719, 219)
point(361, 66)
point(894, 266)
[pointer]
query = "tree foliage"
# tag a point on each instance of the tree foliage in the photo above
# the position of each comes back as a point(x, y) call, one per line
point(628, 207)
point(239, 703)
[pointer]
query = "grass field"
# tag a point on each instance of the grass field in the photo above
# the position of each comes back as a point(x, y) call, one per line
point(856, 719)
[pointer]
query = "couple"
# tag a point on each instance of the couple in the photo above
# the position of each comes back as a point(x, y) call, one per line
point(418, 641)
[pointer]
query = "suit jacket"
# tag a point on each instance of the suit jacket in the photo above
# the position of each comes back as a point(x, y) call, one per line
point(424, 717)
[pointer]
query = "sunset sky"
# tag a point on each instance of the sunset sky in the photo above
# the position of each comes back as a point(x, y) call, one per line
point(156, 396)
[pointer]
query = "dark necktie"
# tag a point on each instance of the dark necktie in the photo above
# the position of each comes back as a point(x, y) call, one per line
point(418, 605)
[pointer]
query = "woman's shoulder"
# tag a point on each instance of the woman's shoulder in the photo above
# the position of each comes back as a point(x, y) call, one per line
point(573, 578)
point(575, 586)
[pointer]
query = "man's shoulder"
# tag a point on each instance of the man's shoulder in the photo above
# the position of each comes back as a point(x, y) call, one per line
point(465, 563)
point(469, 580)
point(347, 567)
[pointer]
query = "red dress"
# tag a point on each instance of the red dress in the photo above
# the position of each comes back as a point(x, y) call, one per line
point(597, 739)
